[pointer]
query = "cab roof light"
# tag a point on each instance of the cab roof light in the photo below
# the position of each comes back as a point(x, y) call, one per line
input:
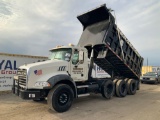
point(70, 44)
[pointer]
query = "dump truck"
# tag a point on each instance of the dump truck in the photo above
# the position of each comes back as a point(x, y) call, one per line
point(68, 72)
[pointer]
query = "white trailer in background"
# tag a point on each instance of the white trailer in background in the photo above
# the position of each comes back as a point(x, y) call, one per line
point(9, 64)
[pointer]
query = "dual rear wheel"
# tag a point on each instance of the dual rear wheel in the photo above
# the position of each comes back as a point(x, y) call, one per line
point(119, 87)
point(107, 89)
point(124, 87)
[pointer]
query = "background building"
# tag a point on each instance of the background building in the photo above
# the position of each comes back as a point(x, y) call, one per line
point(146, 69)
point(9, 64)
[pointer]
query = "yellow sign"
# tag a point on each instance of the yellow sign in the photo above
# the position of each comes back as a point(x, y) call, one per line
point(146, 69)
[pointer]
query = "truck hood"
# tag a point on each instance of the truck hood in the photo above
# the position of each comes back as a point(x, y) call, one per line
point(42, 71)
point(47, 63)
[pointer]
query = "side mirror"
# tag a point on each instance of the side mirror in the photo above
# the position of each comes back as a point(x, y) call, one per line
point(81, 55)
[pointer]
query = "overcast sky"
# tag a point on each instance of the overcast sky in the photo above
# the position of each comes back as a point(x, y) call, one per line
point(34, 26)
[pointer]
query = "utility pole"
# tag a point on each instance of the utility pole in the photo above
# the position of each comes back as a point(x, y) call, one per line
point(147, 65)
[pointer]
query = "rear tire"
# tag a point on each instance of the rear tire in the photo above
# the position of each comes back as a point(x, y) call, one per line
point(115, 82)
point(107, 89)
point(131, 87)
point(126, 80)
point(60, 98)
point(121, 88)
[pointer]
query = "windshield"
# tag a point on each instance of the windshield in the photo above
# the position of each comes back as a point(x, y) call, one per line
point(150, 74)
point(61, 54)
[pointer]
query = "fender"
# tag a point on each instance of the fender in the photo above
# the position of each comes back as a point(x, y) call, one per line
point(63, 79)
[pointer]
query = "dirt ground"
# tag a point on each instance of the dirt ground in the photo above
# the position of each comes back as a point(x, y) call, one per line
point(145, 105)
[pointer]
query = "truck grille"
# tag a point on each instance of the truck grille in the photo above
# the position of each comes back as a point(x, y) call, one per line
point(22, 77)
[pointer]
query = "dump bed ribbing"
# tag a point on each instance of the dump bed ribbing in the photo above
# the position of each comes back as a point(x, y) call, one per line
point(112, 50)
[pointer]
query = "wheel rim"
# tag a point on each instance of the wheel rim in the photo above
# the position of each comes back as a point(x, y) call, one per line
point(63, 98)
point(109, 89)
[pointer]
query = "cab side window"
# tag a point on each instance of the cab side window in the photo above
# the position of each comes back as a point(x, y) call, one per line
point(75, 58)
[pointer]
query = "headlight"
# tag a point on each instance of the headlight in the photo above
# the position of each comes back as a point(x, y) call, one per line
point(152, 78)
point(15, 77)
point(42, 84)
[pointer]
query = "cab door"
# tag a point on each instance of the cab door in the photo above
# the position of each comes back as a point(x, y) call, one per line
point(78, 66)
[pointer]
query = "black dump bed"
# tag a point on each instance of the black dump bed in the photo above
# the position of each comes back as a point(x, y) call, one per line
point(112, 50)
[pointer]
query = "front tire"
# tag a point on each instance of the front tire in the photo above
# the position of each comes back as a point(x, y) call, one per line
point(60, 98)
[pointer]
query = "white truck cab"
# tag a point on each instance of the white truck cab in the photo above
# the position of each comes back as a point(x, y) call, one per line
point(66, 64)
point(69, 61)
